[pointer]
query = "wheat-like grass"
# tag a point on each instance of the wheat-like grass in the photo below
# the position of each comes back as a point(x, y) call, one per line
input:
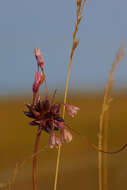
point(79, 11)
point(103, 135)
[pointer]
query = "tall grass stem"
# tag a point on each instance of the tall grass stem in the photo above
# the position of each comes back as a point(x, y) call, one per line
point(105, 108)
point(79, 12)
point(59, 147)
point(105, 156)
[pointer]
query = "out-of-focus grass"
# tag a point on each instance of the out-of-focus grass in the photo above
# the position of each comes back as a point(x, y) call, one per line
point(78, 169)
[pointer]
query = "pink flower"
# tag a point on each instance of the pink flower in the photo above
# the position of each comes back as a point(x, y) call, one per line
point(71, 110)
point(66, 136)
point(54, 140)
point(39, 77)
point(39, 58)
point(60, 124)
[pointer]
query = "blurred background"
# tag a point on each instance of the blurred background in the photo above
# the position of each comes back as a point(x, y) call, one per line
point(49, 26)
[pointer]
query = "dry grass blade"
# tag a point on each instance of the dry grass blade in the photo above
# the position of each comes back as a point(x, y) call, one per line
point(105, 107)
point(79, 12)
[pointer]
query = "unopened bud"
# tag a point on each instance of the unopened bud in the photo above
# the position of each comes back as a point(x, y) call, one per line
point(39, 58)
point(39, 78)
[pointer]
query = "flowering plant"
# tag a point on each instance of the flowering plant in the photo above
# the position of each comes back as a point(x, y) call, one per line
point(45, 114)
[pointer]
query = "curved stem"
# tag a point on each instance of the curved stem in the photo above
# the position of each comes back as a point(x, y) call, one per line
point(35, 160)
point(95, 147)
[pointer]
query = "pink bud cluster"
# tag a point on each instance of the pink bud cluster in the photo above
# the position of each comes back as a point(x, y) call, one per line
point(46, 115)
point(39, 75)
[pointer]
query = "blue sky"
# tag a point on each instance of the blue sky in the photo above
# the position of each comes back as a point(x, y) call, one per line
point(49, 25)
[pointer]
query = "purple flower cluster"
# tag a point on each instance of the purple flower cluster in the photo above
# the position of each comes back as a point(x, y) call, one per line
point(46, 116)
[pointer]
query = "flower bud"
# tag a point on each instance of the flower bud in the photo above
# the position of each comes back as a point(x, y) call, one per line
point(54, 140)
point(39, 58)
point(71, 110)
point(39, 77)
point(66, 136)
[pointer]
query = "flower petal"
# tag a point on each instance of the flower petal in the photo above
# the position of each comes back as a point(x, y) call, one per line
point(54, 140)
point(71, 109)
point(66, 136)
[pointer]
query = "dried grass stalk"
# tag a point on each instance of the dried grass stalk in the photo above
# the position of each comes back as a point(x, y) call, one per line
point(105, 146)
point(105, 108)
point(80, 7)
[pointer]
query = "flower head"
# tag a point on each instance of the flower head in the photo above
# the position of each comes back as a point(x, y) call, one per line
point(45, 115)
point(71, 109)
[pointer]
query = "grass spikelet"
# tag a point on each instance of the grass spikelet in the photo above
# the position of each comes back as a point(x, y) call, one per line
point(79, 11)
point(103, 132)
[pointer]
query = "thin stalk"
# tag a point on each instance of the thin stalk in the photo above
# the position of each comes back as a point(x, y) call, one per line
point(105, 156)
point(57, 166)
point(35, 160)
point(105, 107)
point(95, 147)
point(65, 98)
point(59, 147)
point(79, 12)
point(100, 183)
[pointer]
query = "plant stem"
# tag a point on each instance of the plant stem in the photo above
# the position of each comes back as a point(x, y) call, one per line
point(105, 156)
point(57, 167)
point(100, 183)
point(105, 107)
point(59, 147)
point(35, 160)
point(74, 45)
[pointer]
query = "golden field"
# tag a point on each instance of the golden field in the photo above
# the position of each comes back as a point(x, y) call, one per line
point(78, 169)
